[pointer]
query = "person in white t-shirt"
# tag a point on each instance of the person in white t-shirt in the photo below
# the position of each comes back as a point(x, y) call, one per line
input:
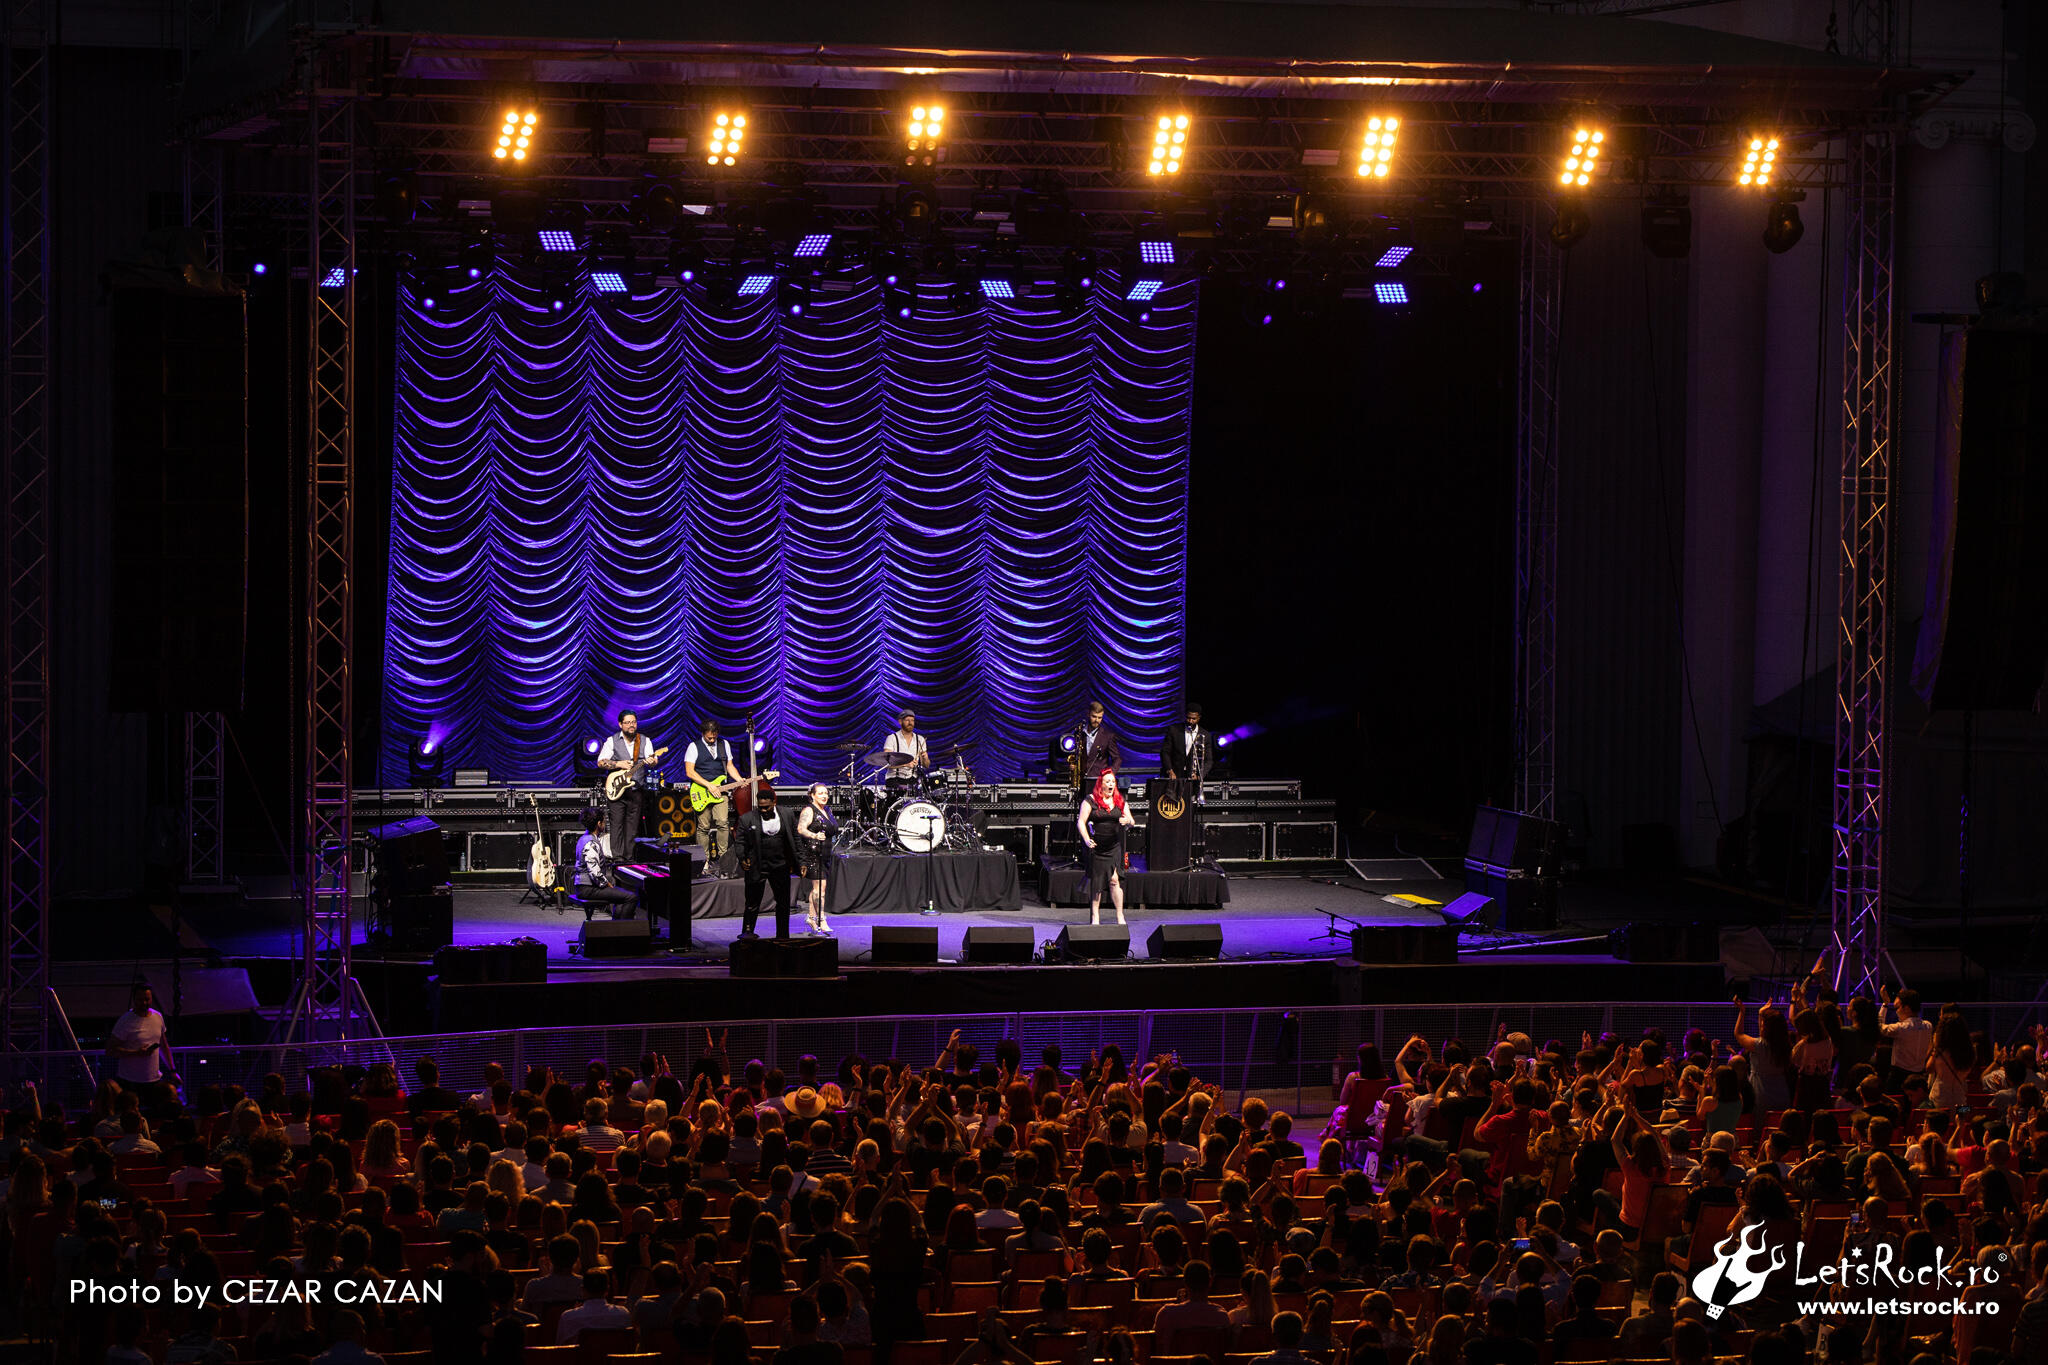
point(140, 1044)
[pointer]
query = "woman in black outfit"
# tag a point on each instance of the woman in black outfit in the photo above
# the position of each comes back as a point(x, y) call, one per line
point(815, 829)
point(1101, 821)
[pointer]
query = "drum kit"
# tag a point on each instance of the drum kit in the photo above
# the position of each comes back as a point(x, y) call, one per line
point(888, 804)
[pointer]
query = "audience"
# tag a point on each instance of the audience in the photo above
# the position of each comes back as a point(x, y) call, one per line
point(1529, 1201)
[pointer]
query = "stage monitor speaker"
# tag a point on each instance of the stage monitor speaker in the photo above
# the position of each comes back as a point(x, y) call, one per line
point(1510, 839)
point(1469, 908)
point(1186, 941)
point(408, 856)
point(178, 501)
point(911, 944)
point(1984, 630)
point(789, 957)
point(523, 960)
point(616, 938)
point(1663, 941)
point(1015, 840)
point(1405, 945)
point(421, 921)
point(1095, 942)
point(986, 943)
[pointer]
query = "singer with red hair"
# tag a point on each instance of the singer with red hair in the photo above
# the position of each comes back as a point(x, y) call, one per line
point(1104, 814)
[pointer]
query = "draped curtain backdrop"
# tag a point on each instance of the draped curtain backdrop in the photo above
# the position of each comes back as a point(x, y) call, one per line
point(697, 509)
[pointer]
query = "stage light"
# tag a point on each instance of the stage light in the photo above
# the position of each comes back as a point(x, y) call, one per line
point(1156, 253)
point(1142, 291)
point(728, 132)
point(1390, 291)
point(1782, 228)
point(923, 133)
point(1393, 256)
point(1376, 153)
point(558, 239)
point(1067, 744)
point(1571, 225)
point(517, 131)
point(1759, 161)
point(755, 283)
point(1169, 144)
point(427, 302)
point(814, 244)
point(1583, 162)
point(426, 762)
point(608, 282)
point(335, 278)
point(997, 287)
point(259, 269)
point(656, 204)
point(478, 258)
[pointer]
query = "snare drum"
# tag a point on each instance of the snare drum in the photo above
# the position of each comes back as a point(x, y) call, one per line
point(918, 826)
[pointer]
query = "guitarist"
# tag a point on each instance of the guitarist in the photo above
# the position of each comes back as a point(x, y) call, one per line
point(623, 750)
point(707, 761)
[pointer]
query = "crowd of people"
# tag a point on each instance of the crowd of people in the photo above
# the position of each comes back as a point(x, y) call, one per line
point(1501, 1202)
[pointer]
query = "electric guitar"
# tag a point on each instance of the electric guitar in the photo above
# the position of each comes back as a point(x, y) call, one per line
point(541, 872)
point(621, 779)
point(707, 794)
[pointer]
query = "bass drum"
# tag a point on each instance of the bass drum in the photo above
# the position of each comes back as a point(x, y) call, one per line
point(918, 826)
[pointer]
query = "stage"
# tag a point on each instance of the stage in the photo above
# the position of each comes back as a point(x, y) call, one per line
point(1286, 936)
point(863, 884)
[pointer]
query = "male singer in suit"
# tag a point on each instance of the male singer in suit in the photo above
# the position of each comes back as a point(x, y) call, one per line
point(1185, 749)
point(766, 843)
point(1098, 746)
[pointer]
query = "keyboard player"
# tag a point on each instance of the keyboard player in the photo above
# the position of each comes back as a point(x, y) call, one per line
point(595, 883)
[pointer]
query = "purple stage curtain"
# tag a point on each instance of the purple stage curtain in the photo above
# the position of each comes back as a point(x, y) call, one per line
point(700, 509)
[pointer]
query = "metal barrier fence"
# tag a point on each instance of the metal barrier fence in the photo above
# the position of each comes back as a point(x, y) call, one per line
point(1272, 1051)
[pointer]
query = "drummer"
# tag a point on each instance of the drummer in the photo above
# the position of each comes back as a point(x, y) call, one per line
point(908, 758)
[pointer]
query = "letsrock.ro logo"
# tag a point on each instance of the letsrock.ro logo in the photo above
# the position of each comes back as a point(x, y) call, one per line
point(1744, 1263)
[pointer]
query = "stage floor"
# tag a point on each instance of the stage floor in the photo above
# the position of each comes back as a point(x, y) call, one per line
point(1268, 917)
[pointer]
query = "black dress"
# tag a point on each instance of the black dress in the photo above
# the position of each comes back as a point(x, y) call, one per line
point(1106, 828)
point(814, 857)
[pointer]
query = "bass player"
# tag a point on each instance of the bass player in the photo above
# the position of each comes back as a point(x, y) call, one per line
point(708, 763)
point(634, 752)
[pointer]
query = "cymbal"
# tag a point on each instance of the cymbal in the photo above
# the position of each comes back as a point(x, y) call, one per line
point(955, 749)
point(878, 759)
point(894, 760)
point(852, 747)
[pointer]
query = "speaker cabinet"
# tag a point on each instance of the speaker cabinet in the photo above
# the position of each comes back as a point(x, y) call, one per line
point(904, 944)
point(986, 943)
point(421, 921)
point(408, 857)
point(1405, 945)
point(1654, 941)
point(1095, 942)
point(1185, 941)
point(778, 958)
point(522, 960)
point(1984, 632)
point(616, 938)
point(178, 521)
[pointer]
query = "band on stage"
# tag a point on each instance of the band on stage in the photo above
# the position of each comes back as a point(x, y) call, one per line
point(741, 827)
